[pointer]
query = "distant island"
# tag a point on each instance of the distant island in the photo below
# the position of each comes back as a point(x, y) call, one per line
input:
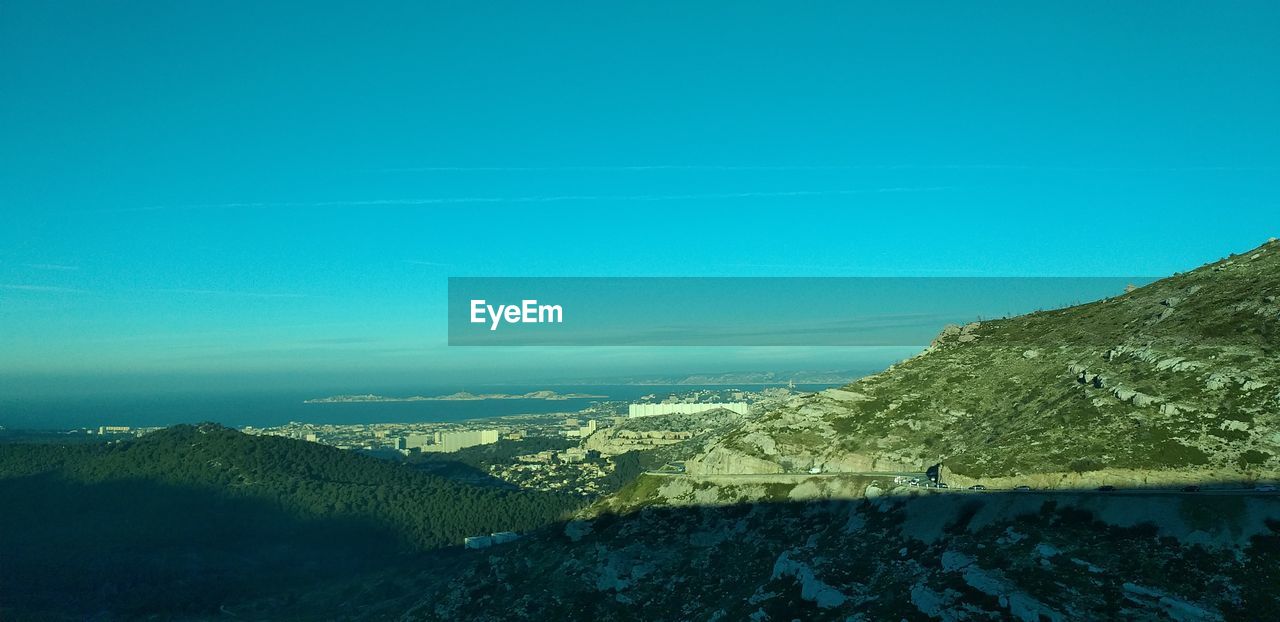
point(461, 396)
point(736, 378)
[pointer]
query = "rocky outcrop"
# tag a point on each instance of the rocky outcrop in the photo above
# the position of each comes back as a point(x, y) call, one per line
point(1120, 478)
point(721, 460)
point(811, 588)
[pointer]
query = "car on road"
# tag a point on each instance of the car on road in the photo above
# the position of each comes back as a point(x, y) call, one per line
point(1022, 488)
point(977, 487)
point(1264, 488)
point(1191, 488)
point(941, 485)
point(1106, 488)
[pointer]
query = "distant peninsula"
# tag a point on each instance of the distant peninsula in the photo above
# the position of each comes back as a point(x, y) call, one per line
point(734, 378)
point(461, 396)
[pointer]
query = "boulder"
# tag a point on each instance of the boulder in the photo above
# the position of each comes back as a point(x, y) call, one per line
point(812, 589)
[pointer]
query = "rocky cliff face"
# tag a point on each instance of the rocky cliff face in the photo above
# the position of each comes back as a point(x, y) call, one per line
point(1181, 375)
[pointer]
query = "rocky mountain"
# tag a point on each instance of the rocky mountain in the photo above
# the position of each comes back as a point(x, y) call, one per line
point(1176, 381)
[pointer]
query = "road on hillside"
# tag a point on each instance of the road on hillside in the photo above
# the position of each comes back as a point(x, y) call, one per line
point(799, 477)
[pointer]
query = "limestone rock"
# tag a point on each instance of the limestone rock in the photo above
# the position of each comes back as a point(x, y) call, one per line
point(811, 588)
point(721, 460)
point(1249, 385)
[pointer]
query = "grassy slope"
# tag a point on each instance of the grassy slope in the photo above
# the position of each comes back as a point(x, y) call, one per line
point(987, 407)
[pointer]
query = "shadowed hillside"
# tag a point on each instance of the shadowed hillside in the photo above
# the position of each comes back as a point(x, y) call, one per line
point(994, 556)
point(192, 517)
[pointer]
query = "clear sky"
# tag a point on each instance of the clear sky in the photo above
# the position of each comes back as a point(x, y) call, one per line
point(225, 188)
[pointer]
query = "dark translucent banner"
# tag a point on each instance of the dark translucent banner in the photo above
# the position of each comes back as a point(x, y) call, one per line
point(747, 311)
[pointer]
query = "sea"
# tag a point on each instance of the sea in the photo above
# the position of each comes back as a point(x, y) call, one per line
point(266, 408)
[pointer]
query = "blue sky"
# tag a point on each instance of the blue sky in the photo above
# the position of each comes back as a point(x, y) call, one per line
point(235, 189)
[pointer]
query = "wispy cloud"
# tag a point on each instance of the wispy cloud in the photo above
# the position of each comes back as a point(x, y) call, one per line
point(686, 167)
point(51, 266)
point(42, 288)
point(827, 167)
point(535, 199)
point(879, 271)
point(220, 292)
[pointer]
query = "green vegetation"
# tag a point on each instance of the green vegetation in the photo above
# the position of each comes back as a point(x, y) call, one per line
point(185, 518)
point(1155, 378)
point(638, 493)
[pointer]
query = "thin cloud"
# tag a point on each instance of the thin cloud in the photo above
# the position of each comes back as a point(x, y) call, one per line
point(51, 266)
point(219, 292)
point(642, 167)
point(534, 199)
point(824, 167)
point(924, 271)
point(42, 288)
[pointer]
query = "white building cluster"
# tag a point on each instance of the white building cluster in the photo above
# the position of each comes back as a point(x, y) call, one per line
point(446, 442)
point(453, 441)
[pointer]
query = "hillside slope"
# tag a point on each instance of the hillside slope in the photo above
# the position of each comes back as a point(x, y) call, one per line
point(998, 556)
point(1181, 375)
point(185, 520)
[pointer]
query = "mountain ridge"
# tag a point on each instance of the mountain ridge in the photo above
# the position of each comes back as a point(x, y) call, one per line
point(1180, 374)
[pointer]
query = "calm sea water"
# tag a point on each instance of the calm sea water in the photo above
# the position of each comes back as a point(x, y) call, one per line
point(270, 409)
